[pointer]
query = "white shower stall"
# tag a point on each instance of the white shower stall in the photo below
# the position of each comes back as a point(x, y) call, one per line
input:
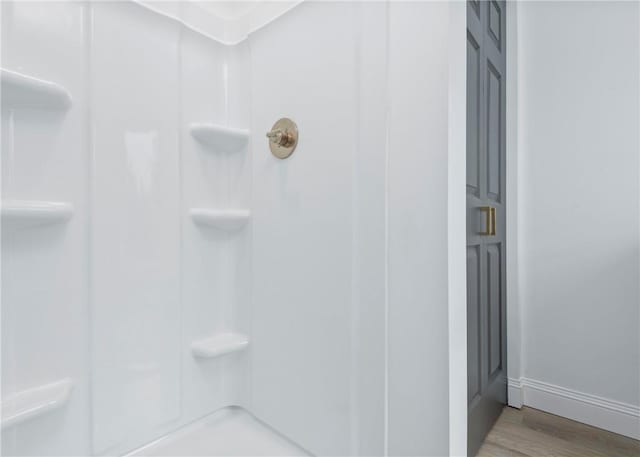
point(169, 287)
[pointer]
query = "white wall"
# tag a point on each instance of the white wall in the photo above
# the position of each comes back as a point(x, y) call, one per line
point(457, 268)
point(579, 118)
point(417, 229)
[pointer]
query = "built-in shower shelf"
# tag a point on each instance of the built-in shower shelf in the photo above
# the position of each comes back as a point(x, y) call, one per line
point(225, 139)
point(224, 343)
point(35, 402)
point(30, 213)
point(21, 90)
point(222, 219)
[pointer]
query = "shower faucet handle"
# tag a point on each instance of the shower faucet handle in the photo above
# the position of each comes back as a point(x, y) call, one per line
point(275, 136)
point(283, 138)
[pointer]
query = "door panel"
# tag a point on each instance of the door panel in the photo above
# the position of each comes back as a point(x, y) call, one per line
point(494, 132)
point(473, 331)
point(486, 307)
point(495, 23)
point(494, 309)
point(473, 116)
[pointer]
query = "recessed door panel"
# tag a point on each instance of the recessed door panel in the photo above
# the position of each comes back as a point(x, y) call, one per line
point(495, 23)
point(475, 4)
point(494, 308)
point(473, 115)
point(494, 131)
point(473, 322)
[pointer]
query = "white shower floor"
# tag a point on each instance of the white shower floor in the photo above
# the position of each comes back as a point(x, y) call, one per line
point(229, 432)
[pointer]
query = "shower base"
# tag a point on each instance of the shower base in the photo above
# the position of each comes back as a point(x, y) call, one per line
point(229, 432)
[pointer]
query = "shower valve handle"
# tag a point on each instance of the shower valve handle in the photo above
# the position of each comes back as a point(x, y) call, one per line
point(281, 138)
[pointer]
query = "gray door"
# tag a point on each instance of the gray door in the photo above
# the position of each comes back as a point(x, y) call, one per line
point(486, 298)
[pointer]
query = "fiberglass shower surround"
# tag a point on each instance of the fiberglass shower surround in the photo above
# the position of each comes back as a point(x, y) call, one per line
point(126, 167)
point(169, 287)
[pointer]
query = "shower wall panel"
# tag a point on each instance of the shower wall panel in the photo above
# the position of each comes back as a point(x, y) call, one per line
point(318, 283)
point(161, 282)
point(109, 281)
point(135, 268)
point(216, 264)
point(44, 264)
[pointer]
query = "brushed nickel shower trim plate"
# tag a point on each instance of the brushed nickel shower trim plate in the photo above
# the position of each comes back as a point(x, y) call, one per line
point(283, 138)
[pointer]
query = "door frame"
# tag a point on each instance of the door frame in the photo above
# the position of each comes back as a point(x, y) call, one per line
point(513, 164)
point(457, 266)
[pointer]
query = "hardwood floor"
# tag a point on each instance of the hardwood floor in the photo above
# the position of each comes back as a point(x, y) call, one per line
point(531, 433)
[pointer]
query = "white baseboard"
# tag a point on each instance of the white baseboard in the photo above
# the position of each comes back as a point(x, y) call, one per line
point(514, 393)
point(589, 409)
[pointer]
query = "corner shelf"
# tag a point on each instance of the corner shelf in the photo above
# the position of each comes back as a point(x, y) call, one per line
point(226, 139)
point(30, 213)
point(32, 403)
point(227, 219)
point(221, 344)
point(21, 90)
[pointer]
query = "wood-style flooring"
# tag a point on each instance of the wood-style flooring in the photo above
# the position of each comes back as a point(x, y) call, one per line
point(531, 433)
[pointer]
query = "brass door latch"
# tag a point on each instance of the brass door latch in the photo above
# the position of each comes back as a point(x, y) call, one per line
point(283, 138)
point(490, 213)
